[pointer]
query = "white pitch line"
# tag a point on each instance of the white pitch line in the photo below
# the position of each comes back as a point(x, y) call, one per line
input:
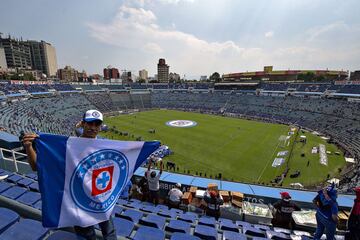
point(267, 164)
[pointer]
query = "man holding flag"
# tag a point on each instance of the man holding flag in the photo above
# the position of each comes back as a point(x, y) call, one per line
point(80, 179)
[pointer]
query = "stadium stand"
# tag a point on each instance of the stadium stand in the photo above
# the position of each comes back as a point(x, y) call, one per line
point(334, 117)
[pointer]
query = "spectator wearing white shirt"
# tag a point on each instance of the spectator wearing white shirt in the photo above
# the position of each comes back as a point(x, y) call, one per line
point(154, 183)
point(175, 195)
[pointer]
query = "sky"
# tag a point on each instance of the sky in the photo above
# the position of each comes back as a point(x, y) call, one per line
point(196, 37)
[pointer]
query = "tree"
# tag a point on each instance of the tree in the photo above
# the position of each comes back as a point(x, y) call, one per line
point(215, 77)
point(141, 81)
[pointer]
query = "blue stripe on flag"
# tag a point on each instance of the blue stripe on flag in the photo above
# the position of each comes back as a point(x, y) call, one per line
point(51, 155)
point(147, 149)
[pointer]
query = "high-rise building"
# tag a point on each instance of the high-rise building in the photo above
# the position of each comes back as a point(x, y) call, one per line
point(43, 56)
point(17, 53)
point(111, 73)
point(3, 65)
point(163, 71)
point(30, 55)
point(143, 74)
point(68, 74)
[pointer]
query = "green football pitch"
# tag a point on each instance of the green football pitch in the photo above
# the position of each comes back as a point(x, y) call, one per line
point(241, 150)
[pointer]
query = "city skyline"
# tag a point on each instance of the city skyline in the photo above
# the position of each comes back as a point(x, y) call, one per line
point(195, 37)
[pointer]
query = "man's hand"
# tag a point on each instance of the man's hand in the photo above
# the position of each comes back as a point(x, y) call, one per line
point(31, 154)
point(78, 124)
point(29, 139)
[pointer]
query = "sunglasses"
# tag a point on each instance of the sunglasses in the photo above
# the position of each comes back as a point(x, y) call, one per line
point(94, 123)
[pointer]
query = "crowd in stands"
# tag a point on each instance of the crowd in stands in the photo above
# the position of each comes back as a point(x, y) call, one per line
point(7, 88)
point(338, 119)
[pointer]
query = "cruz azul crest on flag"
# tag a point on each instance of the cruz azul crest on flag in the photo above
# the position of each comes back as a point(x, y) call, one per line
point(98, 179)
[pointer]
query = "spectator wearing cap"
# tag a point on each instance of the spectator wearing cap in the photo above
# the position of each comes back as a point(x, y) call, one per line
point(91, 125)
point(213, 200)
point(154, 183)
point(327, 212)
point(354, 219)
point(283, 211)
point(175, 195)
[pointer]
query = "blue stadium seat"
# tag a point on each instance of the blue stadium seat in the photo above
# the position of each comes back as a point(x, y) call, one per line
point(25, 182)
point(117, 210)
point(14, 192)
point(282, 230)
point(122, 202)
point(261, 227)
point(205, 232)
point(167, 213)
point(34, 187)
point(230, 235)
point(153, 221)
point(149, 208)
point(162, 207)
point(38, 205)
point(276, 235)
point(183, 236)
point(243, 224)
point(208, 221)
point(188, 217)
point(227, 224)
point(132, 215)
point(301, 233)
point(255, 232)
point(133, 205)
point(123, 227)
point(134, 200)
point(14, 178)
point(32, 176)
point(149, 233)
point(25, 229)
point(178, 226)
point(62, 235)
point(29, 198)
point(7, 218)
point(4, 186)
point(177, 211)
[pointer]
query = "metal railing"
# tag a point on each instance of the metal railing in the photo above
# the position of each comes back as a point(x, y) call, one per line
point(12, 156)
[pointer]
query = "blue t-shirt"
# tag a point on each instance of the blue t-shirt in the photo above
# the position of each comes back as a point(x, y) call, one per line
point(327, 207)
point(126, 190)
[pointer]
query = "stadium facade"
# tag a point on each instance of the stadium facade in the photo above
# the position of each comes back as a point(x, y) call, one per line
point(268, 74)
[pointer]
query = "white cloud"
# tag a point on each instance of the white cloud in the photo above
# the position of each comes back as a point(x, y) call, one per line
point(136, 29)
point(269, 34)
point(137, 33)
point(175, 1)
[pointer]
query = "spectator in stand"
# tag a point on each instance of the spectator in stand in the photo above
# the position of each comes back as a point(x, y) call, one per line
point(143, 188)
point(354, 219)
point(175, 195)
point(154, 183)
point(283, 210)
point(214, 200)
point(91, 124)
point(327, 213)
point(126, 192)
